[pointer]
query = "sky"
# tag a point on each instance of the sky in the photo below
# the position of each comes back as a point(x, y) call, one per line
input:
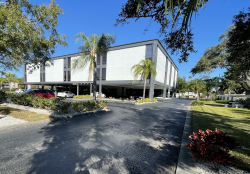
point(100, 16)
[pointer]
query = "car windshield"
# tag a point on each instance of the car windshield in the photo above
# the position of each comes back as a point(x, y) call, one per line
point(28, 91)
point(41, 92)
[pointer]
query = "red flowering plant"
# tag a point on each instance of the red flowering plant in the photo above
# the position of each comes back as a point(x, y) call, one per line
point(212, 146)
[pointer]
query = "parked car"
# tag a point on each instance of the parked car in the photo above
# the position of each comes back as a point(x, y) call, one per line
point(45, 93)
point(65, 94)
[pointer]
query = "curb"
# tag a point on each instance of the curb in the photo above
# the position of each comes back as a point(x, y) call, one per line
point(186, 165)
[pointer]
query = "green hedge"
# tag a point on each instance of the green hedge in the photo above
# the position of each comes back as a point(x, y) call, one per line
point(56, 105)
point(88, 106)
point(196, 103)
point(147, 100)
point(222, 101)
point(3, 96)
point(83, 97)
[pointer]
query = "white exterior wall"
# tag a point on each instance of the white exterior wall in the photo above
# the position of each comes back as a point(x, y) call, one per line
point(168, 72)
point(172, 76)
point(54, 72)
point(34, 76)
point(175, 78)
point(160, 66)
point(80, 74)
point(120, 62)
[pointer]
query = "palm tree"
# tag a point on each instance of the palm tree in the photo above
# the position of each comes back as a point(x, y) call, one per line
point(9, 78)
point(143, 69)
point(91, 46)
point(197, 85)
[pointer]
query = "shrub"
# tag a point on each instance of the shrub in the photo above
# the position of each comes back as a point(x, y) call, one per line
point(247, 103)
point(88, 106)
point(132, 99)
point(147, 100)
point(222, 101)
point(139, 101)
point(83, 97)
point(120, 98)
point(3, 96)
point(196, 103)
point(154, 100)
point(212, 146)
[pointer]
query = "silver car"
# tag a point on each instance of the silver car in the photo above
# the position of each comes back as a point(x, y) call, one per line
point(65, 94)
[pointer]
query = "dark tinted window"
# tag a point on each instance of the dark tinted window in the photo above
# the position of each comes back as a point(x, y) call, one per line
point(68, 75)
point(98, 74)
point(104, 59)
point(103, 73)
point(64, 62)
point(50, 92)
point(69, 62)
point(40, 92)
point(64, 76)
point(98, 60)
point(149, 51)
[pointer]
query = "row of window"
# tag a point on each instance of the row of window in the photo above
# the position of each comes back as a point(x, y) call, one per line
point(103, 74)
point(104, 59)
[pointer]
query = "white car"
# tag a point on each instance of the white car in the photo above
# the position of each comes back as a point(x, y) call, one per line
point(65, 94)
point(19, 91)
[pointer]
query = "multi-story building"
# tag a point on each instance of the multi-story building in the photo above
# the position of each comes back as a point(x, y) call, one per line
point(114, 76)
point(6, 85)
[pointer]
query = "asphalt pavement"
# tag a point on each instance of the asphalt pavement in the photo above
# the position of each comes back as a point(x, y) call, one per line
point(128, 139)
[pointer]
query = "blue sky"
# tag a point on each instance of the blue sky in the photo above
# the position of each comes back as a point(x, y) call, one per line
point(100, 16)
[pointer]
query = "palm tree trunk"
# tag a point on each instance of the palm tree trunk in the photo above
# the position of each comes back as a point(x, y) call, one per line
point(94, 81)
point(144, 89)
point(198, 98)
point(10, 86)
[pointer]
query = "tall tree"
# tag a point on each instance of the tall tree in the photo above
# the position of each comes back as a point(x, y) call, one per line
point(198, 85)
point(233, 52)
point(142, 71)
point(91, 47)
point(182, 85)
point(28, 33)
point(8, 77)
point(178, 37)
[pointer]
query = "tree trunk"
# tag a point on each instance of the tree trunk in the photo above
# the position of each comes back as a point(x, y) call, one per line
point(10, 86)
point(198, 98)
point(94, 81)
point(144, 89)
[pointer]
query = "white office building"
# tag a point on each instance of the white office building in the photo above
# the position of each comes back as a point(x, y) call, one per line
point(113, 72)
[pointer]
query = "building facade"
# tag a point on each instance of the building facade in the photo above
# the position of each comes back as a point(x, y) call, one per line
point(114, 76)
point(6, 85)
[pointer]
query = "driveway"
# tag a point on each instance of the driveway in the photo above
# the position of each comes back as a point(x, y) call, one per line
point(128, 139)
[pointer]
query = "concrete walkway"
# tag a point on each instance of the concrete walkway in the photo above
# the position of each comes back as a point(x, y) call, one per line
point(8, 121)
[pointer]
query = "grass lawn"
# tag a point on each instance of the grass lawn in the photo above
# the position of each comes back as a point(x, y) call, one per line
point(21, 114)
point(235, 121)
point(212, 103)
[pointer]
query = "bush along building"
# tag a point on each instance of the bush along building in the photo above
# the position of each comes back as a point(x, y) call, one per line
point(114, 76)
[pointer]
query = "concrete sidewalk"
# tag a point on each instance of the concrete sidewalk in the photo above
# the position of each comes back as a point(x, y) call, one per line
point(186, 165)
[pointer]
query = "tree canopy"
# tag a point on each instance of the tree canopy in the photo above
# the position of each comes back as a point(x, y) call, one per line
point(177, 36)
point(232, 53)
point(28, 33)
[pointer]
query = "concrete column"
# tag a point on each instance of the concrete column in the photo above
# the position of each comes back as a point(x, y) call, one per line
point(55, 91)
point(77, 87)
point(100, 78)
point(169, 92)
point(152, 79)
point(37, 86)
point(164, 91)
point(90, 88)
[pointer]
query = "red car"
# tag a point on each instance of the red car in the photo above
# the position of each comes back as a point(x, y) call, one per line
point(45, 93)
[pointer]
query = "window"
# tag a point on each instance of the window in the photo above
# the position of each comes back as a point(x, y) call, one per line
point(98, 60)
point(69, 62)
point(64, 76)
point(68, 75)
point(43, 77)
point(98, 74)
point(103, 73)
point(149, 51)
point(64, 62)
point(43, 67)
point(104, 59)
